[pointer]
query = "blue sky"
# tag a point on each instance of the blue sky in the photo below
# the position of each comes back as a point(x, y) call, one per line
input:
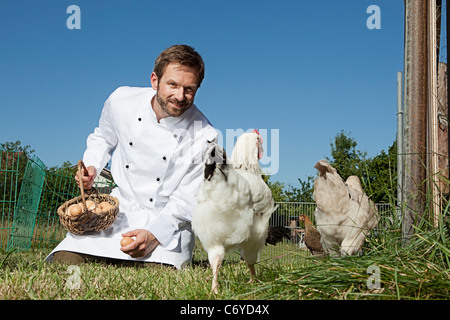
point(307, 69)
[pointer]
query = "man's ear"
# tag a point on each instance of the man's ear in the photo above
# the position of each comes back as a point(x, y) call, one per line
point(154, 80)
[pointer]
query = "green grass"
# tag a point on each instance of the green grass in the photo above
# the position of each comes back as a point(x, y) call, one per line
point(417, 270)
point(420, 270)
point(24, 275)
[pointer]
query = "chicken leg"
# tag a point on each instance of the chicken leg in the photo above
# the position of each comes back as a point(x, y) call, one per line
point(215, 265)
point(252, 272)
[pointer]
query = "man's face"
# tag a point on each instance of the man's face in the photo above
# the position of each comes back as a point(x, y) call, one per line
point(175, 89)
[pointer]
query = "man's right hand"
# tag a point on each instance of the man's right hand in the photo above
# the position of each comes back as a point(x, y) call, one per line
point(87, 180)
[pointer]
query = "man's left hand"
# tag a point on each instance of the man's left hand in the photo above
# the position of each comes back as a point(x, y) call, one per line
point(143, 245)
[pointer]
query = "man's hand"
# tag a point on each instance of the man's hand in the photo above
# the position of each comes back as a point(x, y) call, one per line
point(143, 245)
point(87, 180)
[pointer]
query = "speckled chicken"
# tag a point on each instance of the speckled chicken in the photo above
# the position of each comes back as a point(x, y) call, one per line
point(344, 214)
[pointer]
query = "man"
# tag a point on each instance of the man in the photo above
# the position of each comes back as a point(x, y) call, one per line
point(156, 140)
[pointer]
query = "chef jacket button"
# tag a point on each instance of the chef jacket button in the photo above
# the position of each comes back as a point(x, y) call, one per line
point(151, 199)
point(139, 119)
point(164, 158)
point(157, 179)
point(127, 166)
point(175, 135)
point(131, 143)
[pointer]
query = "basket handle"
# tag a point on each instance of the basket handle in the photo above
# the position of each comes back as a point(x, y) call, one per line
point(80, 185)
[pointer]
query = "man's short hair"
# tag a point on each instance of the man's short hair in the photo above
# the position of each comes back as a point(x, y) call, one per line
point(182, 54)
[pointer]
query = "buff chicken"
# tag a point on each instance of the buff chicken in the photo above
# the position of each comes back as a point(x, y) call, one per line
point(344, 215)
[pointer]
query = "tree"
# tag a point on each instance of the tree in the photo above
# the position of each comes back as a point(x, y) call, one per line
point(13, 161)
point(277, 188)
point(346, 159)
point(304, 193)
point(380, 175)
point(281, 193)
point(17, 147)
point(377, 174)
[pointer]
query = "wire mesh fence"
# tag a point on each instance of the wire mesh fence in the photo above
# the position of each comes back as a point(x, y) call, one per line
point(30, 195)
point(287, 216)
point(10, 162)
point(29, 203)
point(25, 211)
point(57, 189)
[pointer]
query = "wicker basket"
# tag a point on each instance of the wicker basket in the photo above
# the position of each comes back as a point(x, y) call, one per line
point(88, 220)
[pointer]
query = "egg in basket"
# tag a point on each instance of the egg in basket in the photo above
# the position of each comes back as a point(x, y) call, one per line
point(88, 212)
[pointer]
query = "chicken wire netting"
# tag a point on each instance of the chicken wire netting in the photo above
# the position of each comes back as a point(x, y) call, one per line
point(290, 242)
point(30, 198)
point(10, 177)
point(29, 202)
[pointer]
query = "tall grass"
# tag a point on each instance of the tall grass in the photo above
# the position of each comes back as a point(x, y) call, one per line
point(419, 270)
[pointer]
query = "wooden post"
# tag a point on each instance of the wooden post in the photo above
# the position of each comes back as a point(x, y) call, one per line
point(415, 112)
point(448, 90)
point(433, 125)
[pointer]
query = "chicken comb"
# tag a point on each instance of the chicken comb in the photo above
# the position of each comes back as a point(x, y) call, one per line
point(260, 138)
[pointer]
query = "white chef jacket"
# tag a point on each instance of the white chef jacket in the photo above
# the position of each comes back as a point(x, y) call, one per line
point(158, 169)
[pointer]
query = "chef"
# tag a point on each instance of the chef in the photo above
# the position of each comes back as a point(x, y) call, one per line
point(156, 141)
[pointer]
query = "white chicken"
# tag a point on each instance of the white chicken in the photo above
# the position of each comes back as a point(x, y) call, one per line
point(344, 214)
point(234, 204)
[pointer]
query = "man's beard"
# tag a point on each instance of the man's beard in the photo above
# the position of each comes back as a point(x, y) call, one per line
point(174, 112)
